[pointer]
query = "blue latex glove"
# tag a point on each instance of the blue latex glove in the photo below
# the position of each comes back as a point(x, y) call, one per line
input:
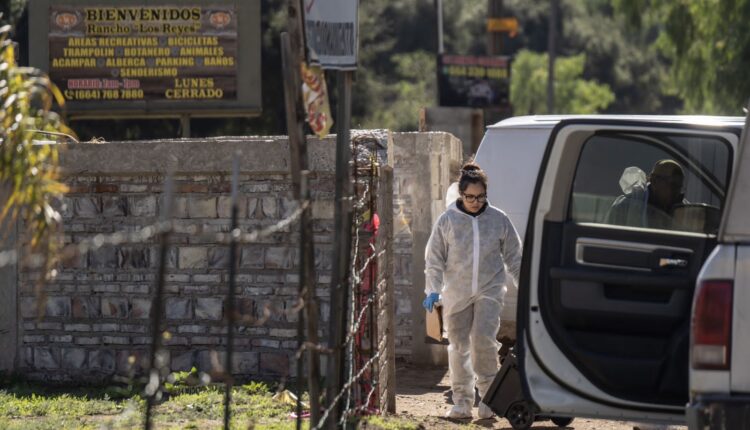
point(430, 301)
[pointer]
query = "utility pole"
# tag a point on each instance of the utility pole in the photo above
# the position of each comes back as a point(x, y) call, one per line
point(494, 38)
point(439, 10)
point(552, 53)
point(440, 50)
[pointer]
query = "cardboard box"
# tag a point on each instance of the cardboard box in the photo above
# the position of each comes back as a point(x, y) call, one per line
point(434, 327)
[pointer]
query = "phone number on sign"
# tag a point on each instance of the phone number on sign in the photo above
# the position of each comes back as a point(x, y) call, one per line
point(122, 94)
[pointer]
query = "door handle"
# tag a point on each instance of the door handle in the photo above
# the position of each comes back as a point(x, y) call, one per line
point(673, 262)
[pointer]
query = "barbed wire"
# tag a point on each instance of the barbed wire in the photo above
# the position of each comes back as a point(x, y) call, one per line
point(362, 408)
point(349, 343)
point(360, 374)
point(366, 265)
point(346, 388)
point(365, 211)
point(269, 311)
point(145, 234)
point(354, 282)
point(358, 204)
point(370, 301)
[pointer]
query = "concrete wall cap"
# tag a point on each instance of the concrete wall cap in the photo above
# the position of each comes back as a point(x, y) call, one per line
point(257, 155)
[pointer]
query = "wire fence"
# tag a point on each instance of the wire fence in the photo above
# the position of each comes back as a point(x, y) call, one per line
point(368, 342)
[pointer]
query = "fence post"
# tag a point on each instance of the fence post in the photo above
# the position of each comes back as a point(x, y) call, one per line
point(308, 283)
point(386, 295)
point(157, 308)
point(234, 234)
point(295, 132)
point(292, 50)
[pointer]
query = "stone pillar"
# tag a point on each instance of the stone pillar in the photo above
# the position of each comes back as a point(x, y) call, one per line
point(422, 172)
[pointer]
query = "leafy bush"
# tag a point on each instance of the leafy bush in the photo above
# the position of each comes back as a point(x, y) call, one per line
point(30, 170)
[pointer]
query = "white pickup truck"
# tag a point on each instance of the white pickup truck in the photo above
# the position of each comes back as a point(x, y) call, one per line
point(630, 317)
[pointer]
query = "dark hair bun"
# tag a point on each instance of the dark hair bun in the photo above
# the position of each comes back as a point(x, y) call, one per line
point(472, 173)
point(472, 170)
point(471, 166)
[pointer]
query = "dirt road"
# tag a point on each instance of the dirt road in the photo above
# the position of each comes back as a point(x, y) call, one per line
point(423, 396)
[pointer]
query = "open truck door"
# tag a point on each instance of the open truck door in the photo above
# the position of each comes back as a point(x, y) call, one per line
point(605, 300)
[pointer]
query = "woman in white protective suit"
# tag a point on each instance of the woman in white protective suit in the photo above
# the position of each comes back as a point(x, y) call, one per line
point(472, 249)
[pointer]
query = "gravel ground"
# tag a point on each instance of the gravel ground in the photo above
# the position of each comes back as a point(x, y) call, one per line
point(423, 396)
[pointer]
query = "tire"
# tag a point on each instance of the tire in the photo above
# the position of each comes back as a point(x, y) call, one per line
point(562, 421)
point(520, 415)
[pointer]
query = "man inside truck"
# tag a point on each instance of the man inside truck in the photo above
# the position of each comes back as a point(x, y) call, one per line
point(651, 205)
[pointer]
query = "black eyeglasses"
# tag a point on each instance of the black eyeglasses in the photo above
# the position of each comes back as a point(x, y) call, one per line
point(470, 198)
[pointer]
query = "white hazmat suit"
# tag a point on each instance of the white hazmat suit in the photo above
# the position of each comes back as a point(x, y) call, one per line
point(466, 261)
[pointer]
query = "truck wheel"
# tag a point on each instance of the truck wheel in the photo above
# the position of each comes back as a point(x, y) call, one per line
point(520, 415)
point(562, 421)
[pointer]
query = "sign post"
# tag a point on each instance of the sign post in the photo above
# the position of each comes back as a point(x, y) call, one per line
point(331, 33)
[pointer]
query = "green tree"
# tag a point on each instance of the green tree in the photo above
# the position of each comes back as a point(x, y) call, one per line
point(573, 94)
point(11, 10)
point(396, 73)
point(412, 87)
point(29, 171)
point(617, 54)
point(708, 43)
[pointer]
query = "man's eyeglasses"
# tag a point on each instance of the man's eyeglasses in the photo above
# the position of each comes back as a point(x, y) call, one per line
point(470, 198)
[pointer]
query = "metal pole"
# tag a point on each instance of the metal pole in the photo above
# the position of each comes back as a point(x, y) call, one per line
point(154, 382)
point(552, 53)
point(342, 244)
point(230, 298)
point(439, 8)
point(185, 126)
point(438, 61)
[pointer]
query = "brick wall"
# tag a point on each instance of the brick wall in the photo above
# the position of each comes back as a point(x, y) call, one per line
point(95, 320)
point(96, 312)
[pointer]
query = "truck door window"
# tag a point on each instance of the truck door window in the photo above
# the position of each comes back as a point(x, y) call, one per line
point(654, 181)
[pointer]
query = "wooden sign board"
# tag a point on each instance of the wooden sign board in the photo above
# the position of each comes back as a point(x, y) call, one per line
point(156, 58)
